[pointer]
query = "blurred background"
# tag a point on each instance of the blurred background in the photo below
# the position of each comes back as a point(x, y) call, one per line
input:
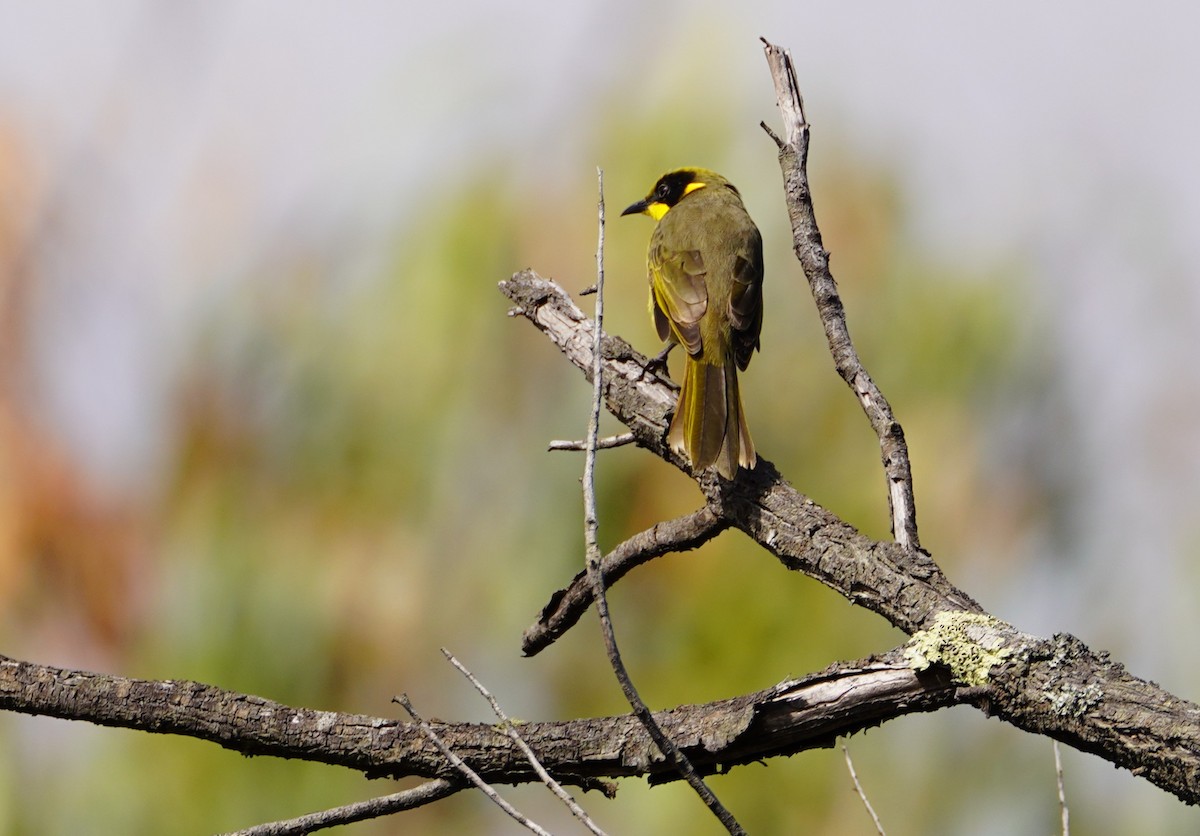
point(264, 422)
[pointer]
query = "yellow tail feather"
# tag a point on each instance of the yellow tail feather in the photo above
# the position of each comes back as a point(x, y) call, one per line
point(709, 425)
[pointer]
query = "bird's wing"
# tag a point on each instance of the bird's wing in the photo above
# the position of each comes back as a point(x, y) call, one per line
point(679, 293)
point(745, 298)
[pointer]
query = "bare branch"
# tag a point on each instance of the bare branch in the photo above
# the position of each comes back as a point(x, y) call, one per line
point(601, 444)
point(469, 773)
point(1065, 813)
point(905, 586)
point(567, 605)
point(858, 788)
point(361, 811)
point(596, 577)
point(529, 754)
point(806, 241)
point(788, 718)
point(1048, 686)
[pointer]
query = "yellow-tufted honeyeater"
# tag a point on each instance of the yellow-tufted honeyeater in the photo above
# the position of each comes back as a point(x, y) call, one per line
point(706, 270)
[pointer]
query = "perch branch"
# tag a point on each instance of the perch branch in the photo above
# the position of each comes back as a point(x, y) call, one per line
point(905, 586)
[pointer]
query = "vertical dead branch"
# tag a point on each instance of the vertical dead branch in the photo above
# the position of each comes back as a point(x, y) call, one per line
point(1064, 811)
point(862, 794)
point(806, 242)
point(596, 576)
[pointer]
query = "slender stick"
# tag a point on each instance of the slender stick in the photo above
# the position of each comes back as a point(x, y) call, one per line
point(516, 738)
point(1062, 795)
point(595, 575)
point(469, 773)
point(862, 795)
point(359, 811)
point(603, 444)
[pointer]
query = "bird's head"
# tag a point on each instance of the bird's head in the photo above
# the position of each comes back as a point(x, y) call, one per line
point(673, 187)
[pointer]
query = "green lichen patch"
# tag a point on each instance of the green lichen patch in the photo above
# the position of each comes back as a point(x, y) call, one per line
point(969, 644)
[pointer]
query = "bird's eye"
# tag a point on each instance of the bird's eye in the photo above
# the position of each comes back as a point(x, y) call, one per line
point(663, 190)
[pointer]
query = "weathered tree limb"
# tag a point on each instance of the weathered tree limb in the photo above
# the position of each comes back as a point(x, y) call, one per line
point(789, 718)
point(1056, 687)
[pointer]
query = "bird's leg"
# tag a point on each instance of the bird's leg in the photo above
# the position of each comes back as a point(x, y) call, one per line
point(658, 363)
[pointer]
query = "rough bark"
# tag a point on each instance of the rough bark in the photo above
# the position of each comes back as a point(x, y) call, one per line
point(792, 716)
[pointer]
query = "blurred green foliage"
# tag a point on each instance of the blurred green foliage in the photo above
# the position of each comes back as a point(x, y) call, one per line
point(361, 478)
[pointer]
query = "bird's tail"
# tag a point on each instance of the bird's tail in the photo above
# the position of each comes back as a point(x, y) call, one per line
point(709, 424)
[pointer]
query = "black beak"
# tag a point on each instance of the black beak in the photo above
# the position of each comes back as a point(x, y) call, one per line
point(636, 208)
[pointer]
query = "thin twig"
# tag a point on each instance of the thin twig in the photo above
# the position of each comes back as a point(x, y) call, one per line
point(595, 575)
point(859, 789)
point(359, 811)
point(601, 444)
point(469, 773)
point(566, 606)
point(806, 241)
point(1062, 796)
point(516, 738)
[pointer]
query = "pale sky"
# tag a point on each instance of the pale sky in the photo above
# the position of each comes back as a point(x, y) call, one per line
point(1062, 132)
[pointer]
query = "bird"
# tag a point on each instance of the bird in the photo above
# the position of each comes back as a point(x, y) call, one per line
point(705, 268)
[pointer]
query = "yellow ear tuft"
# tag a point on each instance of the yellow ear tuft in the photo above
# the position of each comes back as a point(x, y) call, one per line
point(691, 187)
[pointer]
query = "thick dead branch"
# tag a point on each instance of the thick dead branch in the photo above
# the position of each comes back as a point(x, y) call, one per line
point(789, 718)
point(1049, 686)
